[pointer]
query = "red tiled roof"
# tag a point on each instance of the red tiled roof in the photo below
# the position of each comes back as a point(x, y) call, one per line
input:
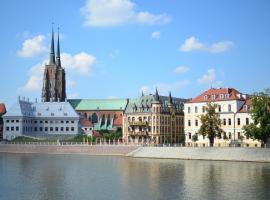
point(2, 109)
point(219, 94)
point(246, 106)
point(86, 123)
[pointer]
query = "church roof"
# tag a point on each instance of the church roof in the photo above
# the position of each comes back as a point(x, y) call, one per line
point(98, 104)
point(42, 109)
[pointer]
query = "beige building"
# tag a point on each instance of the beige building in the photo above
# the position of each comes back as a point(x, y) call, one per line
point(154, 119)
point(233, 108)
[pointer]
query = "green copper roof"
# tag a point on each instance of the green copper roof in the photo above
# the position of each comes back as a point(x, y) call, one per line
point(98, 104)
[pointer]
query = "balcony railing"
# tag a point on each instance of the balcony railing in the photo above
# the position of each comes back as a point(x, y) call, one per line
point(138, 123)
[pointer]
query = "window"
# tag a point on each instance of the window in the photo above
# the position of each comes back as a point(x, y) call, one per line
point(72, 128)
point(46, 128)
point(17, 128)
point(17, 121)
point(205, 97)
point(12, 128)
point(227, 96)
point(67, 122)
point(7, 121)
point(189, 136)
point(46, 122)
point(189, 123)
point(224, 136)
point(203, 109)
point(72, 122)
point(230, 135)
point(35, 129)
point(40, 122)
point(247, 121)
point(67, 128)
point(213, 97)
point(51, 122)
point(196, 122)
point(35, 122)
point(188, 109)
point(12, 121)
point(56, 128)
point(62, 122)
point(229, 122)
point(224, 122)
point(221, 96)
point(40, 129)
point(229, 108)
point(238, 121)
point(196, 109)
point(7, 128)
point(62, 128)
point(219, 108)
point(51, 128)
point(239, 135)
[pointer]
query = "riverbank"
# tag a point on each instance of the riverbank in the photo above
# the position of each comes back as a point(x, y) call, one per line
point(197, 153)
point(67, 149)
point(183, 153)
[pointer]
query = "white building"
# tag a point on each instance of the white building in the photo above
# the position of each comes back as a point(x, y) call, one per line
point(233, 109)
point(40, 119)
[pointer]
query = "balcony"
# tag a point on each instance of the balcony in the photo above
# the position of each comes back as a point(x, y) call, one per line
point(138, 123)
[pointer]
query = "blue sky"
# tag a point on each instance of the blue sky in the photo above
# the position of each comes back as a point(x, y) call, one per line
point(116, 48)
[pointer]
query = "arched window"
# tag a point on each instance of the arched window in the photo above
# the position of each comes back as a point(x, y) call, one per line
point(229, 108)
point(94, 118)
point(224, 122)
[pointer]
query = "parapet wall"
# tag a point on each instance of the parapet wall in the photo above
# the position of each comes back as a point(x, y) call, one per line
point(206, 153)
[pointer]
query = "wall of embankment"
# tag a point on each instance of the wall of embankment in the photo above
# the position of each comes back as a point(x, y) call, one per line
point(67, 149)
point(209, 153)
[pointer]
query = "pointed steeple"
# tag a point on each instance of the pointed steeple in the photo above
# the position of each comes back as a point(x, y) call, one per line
point(58, 59)
point(52, 54)
point(142, 93)
point(156, 95)
point(170, 98)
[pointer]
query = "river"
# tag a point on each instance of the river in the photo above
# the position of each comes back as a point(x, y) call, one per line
point(37, 176)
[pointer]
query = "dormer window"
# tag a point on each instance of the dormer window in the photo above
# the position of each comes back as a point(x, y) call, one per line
point(227, 96)
point(205, 97)
point(245, 107)
point(221, 96)
point(213, 97)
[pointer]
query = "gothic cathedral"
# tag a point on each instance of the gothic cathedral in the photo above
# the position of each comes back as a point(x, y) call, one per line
point(54, 80)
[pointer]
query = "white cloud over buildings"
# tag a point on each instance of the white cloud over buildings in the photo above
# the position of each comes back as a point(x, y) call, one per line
point(104, 13)
point(33, 47)
point(193, 44)
point(181, 69)
point(209, 79)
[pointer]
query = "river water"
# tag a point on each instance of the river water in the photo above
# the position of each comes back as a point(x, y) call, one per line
point(34, 177)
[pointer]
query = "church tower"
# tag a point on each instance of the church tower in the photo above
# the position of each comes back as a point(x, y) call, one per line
point(54, 78)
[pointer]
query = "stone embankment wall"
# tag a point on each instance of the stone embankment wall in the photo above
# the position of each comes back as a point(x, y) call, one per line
point(67, 149)
point(196, 153)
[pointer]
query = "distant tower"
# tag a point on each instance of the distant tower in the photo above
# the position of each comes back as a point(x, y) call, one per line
point(54, 78)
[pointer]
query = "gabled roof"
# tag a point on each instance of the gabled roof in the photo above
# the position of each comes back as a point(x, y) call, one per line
point(41, 109)
point(98, 104)
point(2, 109)
point(219, 94)
point(86, 123)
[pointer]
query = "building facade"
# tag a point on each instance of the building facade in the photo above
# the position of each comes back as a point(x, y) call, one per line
point(233, 108)
point(40, 119)
point(104, 114)
point(154, 119)
point(54, 78)
point(2, 112)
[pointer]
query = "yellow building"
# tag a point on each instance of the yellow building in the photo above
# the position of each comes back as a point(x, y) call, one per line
point(154, 119)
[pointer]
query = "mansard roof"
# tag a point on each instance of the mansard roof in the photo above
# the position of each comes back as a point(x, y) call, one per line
point(42, 110)
point(218, 94)
point(98, 104)
point(145, 102)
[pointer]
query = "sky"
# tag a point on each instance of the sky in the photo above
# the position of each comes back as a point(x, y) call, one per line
point(118, 48)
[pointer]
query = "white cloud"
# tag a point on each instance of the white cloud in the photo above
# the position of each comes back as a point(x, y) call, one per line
point(32, 47)
point(104, 13)
point(81, 63)
point(210, 79)
point(164, 88)
point(181, 69)
point(112, 97)
point(156, 35)
point(193, 44)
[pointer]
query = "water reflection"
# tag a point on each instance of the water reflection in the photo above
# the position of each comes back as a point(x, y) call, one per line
point(90, 177)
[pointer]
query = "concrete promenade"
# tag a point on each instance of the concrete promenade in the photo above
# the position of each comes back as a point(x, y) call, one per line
point(187, 153)
point(119, 150)
point(204, 153)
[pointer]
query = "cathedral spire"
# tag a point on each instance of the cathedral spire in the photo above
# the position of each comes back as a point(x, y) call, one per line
point(58, 60)
point(156, 95)
point(170, 98)
point(52, 55)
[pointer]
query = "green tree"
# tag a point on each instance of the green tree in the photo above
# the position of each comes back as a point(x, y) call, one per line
point(210, 124)
point(260, 113)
